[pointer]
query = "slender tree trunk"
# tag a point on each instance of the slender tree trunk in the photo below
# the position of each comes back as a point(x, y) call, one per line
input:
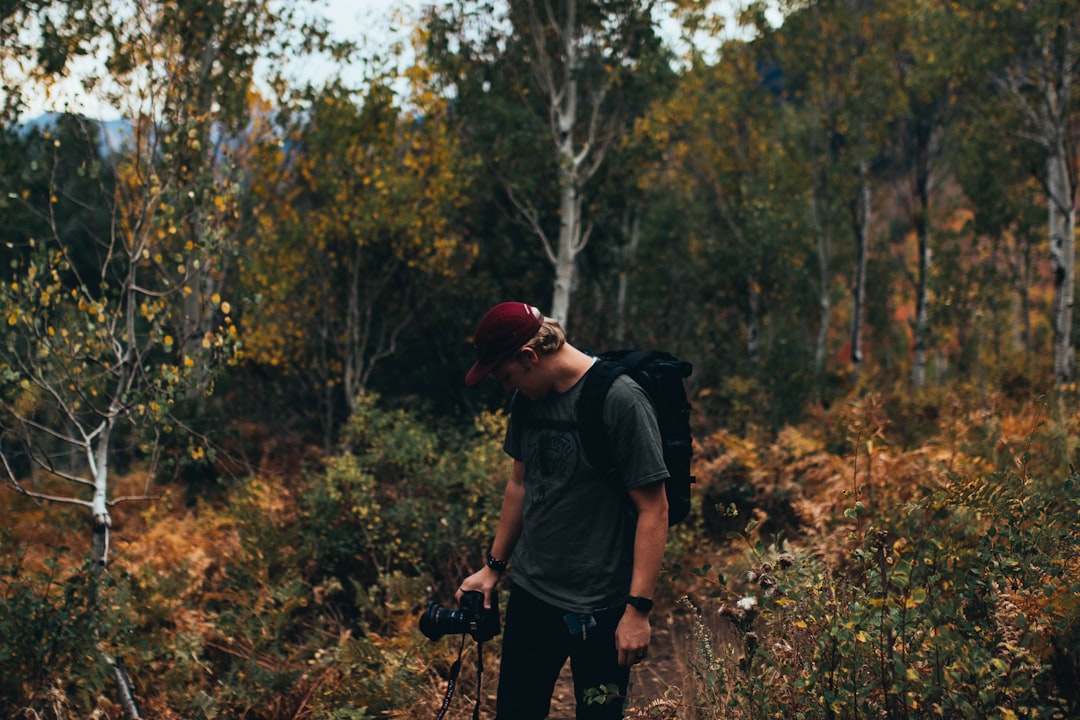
point(823, 233)
point(569, 235)
point(98, 452)
point(124, 688)
point(861, 223)
point(922, 308)
point(922, 280)
point(564, 118)
point(1062, 211)
point(581, 136)
point(98, 460)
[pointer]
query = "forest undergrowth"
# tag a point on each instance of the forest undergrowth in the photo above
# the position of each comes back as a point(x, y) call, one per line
point(890, 557)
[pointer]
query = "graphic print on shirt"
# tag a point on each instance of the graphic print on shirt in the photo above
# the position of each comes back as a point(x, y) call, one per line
point(554, 456)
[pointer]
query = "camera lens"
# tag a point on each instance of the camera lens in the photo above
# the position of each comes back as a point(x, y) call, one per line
point(471, 618)
point(438, 621)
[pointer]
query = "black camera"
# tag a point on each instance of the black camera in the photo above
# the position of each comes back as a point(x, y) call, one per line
point(470, 617)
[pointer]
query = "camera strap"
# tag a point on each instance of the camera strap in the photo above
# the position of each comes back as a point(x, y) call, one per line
point(455, 670)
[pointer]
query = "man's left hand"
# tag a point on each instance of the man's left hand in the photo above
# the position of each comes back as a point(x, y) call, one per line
point(632, 637)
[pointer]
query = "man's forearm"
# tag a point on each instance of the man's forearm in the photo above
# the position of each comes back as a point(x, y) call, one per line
point(510, 517)
point(650, 538)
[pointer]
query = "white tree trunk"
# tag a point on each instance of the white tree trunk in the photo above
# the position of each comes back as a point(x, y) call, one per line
point(922, 309)
point(569, 240)
point(564, 119)
point(1062, 209)
point(862, 237)
point(581, 137)
point(102, 521)
point(823, 231)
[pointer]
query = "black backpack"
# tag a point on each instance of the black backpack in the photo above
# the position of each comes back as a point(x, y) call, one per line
point(661, 376)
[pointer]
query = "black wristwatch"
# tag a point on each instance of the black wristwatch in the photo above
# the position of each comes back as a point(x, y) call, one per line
point(498, 566)
point(641, 604)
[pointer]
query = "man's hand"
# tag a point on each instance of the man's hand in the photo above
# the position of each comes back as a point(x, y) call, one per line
point(483, 580)
point(632, 637)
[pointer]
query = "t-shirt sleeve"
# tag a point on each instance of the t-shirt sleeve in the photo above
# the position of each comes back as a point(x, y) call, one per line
point(633, 434)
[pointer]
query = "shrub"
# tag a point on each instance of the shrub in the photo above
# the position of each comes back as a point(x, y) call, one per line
point(54, 623)
point(956, 596)
point(301, 597)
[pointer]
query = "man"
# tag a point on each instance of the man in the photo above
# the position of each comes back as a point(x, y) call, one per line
point(585, 548)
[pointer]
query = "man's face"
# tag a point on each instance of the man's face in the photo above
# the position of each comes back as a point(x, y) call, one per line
point(521, 373)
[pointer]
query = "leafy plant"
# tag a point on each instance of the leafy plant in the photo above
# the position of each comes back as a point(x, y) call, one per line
point(53, 620)
point(955, 598)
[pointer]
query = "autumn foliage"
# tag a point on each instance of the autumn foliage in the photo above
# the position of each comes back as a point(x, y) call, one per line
point(237, 454)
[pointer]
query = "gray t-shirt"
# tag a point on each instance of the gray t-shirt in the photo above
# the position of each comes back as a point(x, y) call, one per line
point(576, 547)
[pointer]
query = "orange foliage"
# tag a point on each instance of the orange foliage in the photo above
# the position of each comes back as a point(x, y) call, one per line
point(805, 484)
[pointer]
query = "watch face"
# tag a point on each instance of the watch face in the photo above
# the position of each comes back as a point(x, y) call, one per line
point(641, 603)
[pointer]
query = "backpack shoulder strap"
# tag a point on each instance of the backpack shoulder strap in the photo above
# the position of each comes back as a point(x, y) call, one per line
point(590, 412)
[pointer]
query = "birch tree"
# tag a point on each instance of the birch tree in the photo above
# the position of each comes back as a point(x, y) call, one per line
point(923, 39)
point(98, 356)
point(95, 347)
point(573, 59)
point(1036, 74)
point(844, 95)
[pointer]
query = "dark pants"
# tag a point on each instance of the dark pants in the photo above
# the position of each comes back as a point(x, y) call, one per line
point(536, 643)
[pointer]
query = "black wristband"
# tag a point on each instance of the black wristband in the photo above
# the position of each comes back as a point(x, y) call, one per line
point(498, 566)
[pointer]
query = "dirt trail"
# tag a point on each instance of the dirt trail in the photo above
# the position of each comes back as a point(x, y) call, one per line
point(659, 677)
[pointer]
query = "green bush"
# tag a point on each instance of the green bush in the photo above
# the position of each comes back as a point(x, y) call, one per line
point(55, 624)
point(406, 498)
point(961, 604)
point(313, 608)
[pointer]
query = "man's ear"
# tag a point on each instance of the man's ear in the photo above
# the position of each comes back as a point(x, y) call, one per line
point(529, 356)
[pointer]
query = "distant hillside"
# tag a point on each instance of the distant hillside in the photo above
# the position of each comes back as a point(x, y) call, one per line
point(112, 133)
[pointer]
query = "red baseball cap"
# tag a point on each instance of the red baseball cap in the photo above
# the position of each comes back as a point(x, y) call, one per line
point(501, 333)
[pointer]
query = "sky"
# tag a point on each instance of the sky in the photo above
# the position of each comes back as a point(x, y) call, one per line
point(369, 22)
point(361, 20)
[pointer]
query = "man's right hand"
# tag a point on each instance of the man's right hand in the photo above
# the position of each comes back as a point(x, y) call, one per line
point(483, 580)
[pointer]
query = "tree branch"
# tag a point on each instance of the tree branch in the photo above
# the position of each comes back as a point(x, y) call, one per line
point(132, 498)
point(532, 215)
point(17, 487)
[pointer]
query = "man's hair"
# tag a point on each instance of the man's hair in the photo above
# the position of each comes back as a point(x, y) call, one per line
point(549, 338)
